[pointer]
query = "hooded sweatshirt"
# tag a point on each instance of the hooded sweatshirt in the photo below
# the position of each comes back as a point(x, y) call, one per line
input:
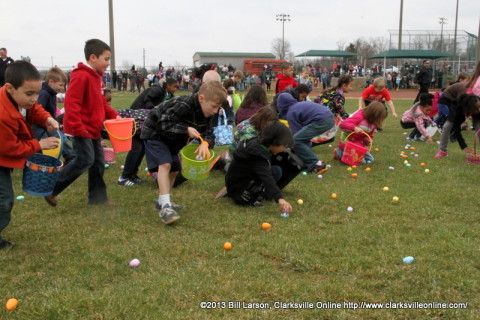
point(284, 82)
point(415, 115)
point(251, 161)
point(301, 114)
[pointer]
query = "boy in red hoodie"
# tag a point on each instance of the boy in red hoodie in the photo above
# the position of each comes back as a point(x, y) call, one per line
point(85, 111)
point(285, 80)
point(18, 111)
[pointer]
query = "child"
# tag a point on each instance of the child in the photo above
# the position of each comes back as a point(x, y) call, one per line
point(377, 92)
point(307, 120)
point(255, 99)
point(18, 111)
point(285, 80)
point(417, 117)
point(85, 111)
point(474, 87)
point(251, 178)
point(334, 99)
point(139, 110)
point(300, 93)
point(54, 83)
point(168, 128)
point(363, 121)
point(466, 105)
point(449, 95)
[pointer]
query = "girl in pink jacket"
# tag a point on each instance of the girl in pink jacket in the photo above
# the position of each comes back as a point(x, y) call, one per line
point(418, 117)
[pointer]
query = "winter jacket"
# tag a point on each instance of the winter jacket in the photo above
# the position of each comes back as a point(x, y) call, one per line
point(48, 99)
point(15, 132)
point(415, 114)
point(348, 125)
point(170, 120)
point(246, 112)
point(284, 82)
point(85, 107)
point(251, 162)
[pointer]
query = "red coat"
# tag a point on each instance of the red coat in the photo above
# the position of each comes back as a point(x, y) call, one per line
point(85, 106)
point(17, 142)
point(285, 83)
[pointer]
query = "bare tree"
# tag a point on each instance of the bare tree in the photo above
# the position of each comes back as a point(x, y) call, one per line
point(341, 44)
point(279, 50)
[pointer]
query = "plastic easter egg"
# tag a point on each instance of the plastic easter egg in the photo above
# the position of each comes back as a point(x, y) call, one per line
point(329, 145)
point(386, 189)
point(107, 165)
point(319, 176)
point(349, 169)
point(376, 149)
point(395, 199)
point(422, 164)
point(11, 304)
point(134, 263)
point(199, 158)
point(368, 169)
point(408, 165)
point(20, 197)
point(333, 196)
point(349, 209)
point(266, 226)
point(304, 173)
point(300, 201)
point(122, 166)
point(408, 260)
point(391, 168)
point(354, 175)
point(284, 215)
point(227, 246)
point(329, 165)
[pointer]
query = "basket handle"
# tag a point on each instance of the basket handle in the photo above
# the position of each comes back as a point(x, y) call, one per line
point(134, 131)
point(201, 141)
point(371, 141)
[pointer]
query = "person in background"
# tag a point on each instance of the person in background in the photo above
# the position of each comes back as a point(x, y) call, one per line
point(5, 61)
point(285, 80)
point(423, 78)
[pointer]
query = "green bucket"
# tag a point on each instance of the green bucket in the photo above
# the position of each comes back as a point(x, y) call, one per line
point(193, 169)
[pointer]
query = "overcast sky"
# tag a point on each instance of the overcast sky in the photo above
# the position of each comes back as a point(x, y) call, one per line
point(172, 31)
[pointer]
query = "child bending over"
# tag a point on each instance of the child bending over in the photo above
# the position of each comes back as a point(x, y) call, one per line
point(361, 122)
point(251, 178)
point(167, 130)
point(418, 117)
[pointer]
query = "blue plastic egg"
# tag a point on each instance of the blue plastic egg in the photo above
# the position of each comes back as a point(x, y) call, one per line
point(20, 197)
point(408, 260)
point(284, 215)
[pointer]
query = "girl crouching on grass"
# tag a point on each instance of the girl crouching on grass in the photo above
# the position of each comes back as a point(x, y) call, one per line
point(362, 121)
point(251, 178)
point(417, 117)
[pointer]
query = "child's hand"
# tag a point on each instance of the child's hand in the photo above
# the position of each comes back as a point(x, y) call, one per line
point(49, 143)
point(429, 140)
point(203, 151)
point(394, 114)
point(285, 207)
point(51, 124)
point(193, 133)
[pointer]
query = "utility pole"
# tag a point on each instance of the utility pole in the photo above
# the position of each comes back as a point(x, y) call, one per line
point(283, 17)
point(478, 41)
point(442, 21)
point(144, 59)
point(112, 32)
point(455, 35)
point(400, 26)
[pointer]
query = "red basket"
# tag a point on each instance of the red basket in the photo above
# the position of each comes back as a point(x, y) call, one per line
point(109, 155)
point(473, 156)
point(353, 153)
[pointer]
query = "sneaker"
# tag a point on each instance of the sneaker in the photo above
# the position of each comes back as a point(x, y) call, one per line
point(410, 139)
point(4, 244)
point(318, 169)
point(335, 154)
point(127, 182)
point(441, 154)
point(137, 179)
point(168, 215)
point(51, 200)
point(174, 206)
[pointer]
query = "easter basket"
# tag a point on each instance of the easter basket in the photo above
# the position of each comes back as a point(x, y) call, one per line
point(472, 155)
point(353, 153)
point(40, 174)
point(193, 169)
point(109, 155)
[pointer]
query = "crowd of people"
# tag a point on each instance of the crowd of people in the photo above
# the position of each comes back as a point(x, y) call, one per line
point(271, 141)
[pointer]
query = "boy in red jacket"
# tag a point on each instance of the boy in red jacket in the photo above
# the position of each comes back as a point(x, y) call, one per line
point(85, 111)
point(18, 111)
point(285, 80)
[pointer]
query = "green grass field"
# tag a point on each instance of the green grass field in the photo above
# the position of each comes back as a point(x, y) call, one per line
point(71, 262)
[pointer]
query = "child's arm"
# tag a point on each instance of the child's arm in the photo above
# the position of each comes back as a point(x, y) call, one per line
point(392, 109)
point(349, 124)
point(361, 103)
point(338, 103)
point(419, 123)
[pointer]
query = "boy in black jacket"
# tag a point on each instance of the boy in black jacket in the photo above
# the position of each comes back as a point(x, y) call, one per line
point(167, 130)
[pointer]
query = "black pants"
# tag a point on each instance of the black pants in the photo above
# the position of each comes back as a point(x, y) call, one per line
point(134, 158)
point(6, 197)
point(423, 89)
point(415, 132)
point(89, 157)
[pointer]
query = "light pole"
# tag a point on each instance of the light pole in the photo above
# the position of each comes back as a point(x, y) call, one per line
point(400, 26)
point(112, 33)
point(283, 17)
point(442, 21)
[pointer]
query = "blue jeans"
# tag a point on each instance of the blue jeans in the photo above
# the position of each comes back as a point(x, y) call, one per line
point(89, 157)
point(367, 158)
point(442, 114)
point(6, 197)
point(303, 145)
